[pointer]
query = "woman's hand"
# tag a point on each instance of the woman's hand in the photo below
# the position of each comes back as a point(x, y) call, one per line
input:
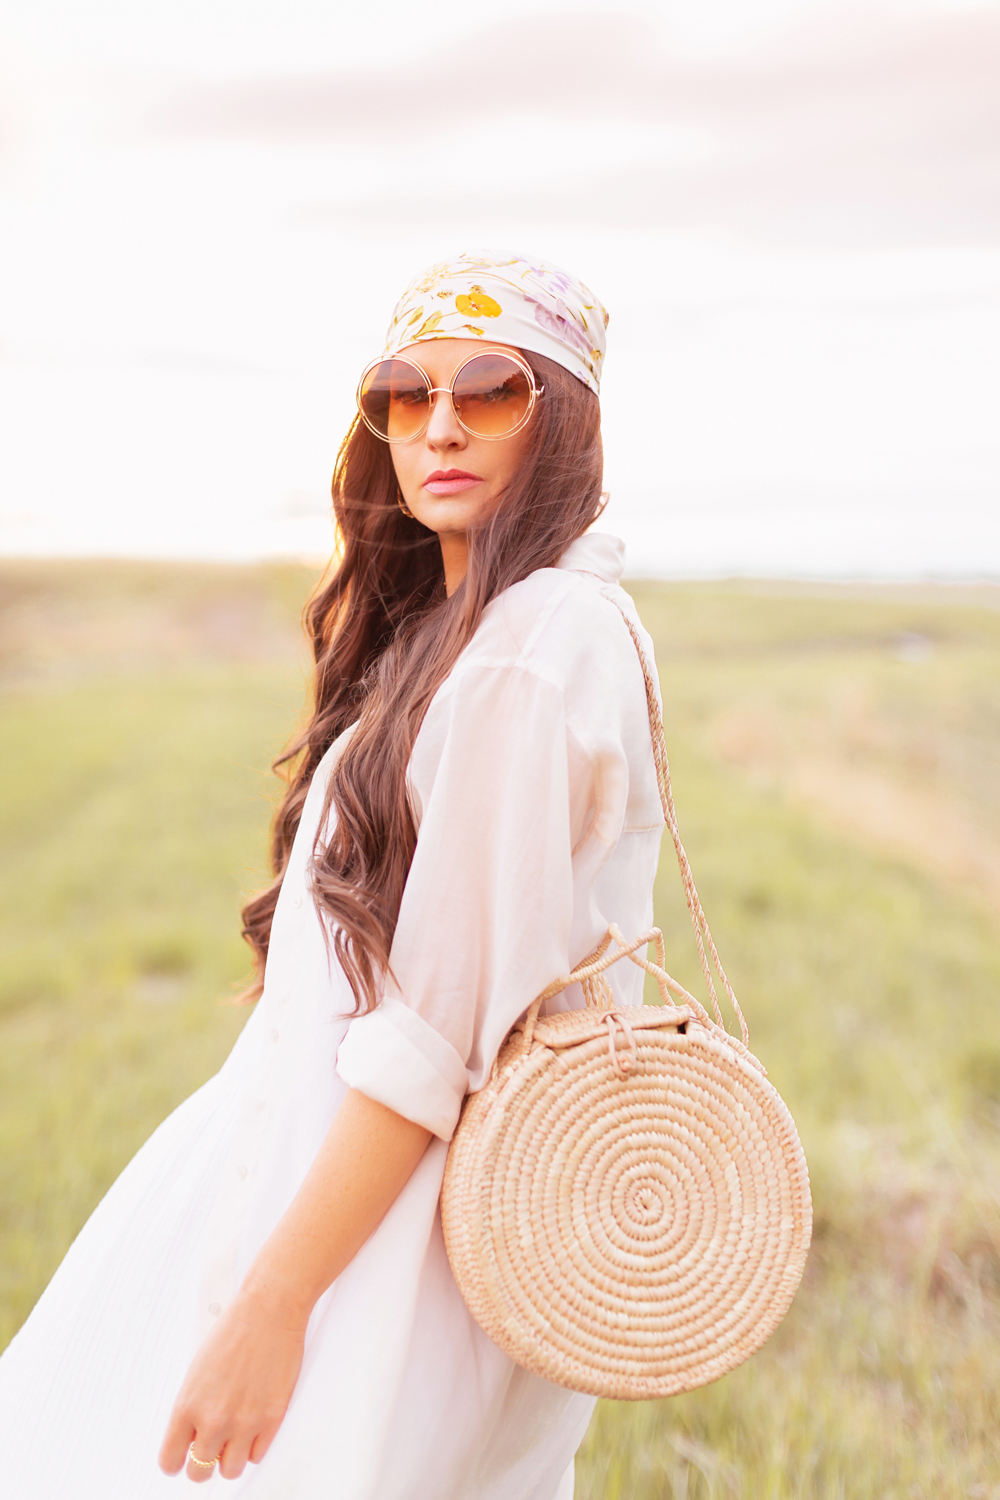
point(237, 1391)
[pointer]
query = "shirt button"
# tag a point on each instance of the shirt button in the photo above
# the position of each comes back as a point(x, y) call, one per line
point(274, 1035)
point(296, 900)
point(215, 1309)
point(243, 1172)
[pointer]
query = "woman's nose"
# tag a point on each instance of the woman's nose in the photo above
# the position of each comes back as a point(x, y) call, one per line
point(444, 429)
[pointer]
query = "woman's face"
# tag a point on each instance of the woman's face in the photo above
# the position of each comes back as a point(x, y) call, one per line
point(449, 479)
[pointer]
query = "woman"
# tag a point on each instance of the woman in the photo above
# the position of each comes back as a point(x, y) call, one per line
point(265, 1290)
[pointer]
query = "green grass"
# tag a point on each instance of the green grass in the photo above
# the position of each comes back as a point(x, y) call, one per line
point(836, 760)
point(143, 706)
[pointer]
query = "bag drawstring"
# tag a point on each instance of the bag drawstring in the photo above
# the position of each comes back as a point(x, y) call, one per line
point(622, 1065)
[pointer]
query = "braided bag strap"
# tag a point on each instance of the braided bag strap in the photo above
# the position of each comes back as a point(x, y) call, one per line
point(702, 931)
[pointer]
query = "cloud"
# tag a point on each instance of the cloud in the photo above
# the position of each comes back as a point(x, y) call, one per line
point(570, 65)
point(868, 131)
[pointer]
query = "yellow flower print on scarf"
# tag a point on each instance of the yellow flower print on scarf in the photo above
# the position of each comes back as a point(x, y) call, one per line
point(477, 304)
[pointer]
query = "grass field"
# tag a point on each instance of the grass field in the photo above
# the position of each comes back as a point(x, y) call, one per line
point(836, 760)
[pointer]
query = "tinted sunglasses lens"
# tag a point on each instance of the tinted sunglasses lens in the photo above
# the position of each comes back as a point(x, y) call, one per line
point(492, 395)
point(394, 400)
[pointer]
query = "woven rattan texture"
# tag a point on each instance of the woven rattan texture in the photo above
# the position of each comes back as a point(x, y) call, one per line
point(628, 1236)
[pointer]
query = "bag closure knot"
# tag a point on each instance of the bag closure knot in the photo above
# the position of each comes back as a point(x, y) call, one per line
point(622, 1065)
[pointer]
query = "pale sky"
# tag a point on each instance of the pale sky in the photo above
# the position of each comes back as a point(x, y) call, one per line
point(790, 207)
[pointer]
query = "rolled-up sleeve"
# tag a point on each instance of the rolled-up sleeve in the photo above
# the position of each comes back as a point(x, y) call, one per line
point(487, 910)
point(394, 1057)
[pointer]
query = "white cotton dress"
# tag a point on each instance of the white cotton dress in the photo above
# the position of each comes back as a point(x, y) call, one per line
point(539, 823)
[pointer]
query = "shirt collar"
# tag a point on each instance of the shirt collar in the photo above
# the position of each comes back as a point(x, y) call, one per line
point(596, 552)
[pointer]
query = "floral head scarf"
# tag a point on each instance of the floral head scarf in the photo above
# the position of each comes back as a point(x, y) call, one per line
point(505, 299)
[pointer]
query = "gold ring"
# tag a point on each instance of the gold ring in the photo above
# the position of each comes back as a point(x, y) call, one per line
point(201, 1463)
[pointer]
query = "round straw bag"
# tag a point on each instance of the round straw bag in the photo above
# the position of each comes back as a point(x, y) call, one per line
point(626, 1202)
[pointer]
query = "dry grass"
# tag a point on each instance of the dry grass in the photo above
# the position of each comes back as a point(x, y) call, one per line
point(836, 758)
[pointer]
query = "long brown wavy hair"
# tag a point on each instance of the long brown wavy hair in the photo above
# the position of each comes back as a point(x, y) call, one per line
point(384, 636)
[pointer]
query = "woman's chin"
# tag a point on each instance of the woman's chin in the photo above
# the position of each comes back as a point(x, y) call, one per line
point(446, 514)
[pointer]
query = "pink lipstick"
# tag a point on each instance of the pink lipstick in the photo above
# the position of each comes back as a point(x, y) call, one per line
point(450, 481)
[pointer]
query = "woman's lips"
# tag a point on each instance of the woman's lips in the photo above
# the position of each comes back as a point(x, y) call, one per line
point(450, 481)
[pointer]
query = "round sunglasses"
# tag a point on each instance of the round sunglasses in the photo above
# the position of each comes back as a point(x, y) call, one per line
point(492, 395)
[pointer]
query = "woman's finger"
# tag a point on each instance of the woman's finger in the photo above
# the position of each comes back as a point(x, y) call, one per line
point(203, 1457)
point(177, 1440)
point(234, 1456)
point(265, 1437)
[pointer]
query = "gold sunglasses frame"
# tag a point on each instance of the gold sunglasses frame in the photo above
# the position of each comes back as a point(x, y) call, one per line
point(449, 390)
